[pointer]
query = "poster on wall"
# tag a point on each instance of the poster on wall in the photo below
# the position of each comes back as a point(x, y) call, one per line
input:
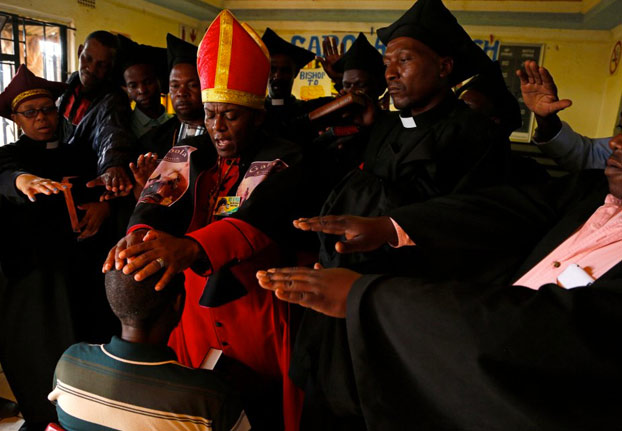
point(312, 82)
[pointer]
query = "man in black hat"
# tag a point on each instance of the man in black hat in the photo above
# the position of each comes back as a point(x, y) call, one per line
point(435, 146)
point(285, 114)
point(360, 70)
point(185, 91)
point(144, 72)
point(95, 113)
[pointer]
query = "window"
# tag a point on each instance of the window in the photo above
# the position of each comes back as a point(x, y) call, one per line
point(42, 46)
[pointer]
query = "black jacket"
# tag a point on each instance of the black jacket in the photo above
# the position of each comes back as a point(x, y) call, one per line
point(479, 356)
point(105, 126)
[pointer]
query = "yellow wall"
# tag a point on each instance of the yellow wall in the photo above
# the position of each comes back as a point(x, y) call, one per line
point(579, 63)
point(579, 60)
point(142, 21)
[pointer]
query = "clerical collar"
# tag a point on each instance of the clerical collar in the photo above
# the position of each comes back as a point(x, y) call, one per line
point(277, 102)
point(187, 130)
point(431, 116)
point(407, 121)
point(51, 145)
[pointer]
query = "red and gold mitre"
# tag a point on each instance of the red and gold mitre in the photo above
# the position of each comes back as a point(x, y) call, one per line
point(24, 86)
point(233, 63)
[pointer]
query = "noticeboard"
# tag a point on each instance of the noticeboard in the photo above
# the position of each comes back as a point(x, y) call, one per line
point(511, 58)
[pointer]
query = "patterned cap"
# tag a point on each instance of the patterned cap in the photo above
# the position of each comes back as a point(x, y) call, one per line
point(24, 86)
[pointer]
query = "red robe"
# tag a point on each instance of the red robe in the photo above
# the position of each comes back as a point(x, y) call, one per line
point(253, 329)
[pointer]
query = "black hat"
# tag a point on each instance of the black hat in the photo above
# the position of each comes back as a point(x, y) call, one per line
point(491, 84)
point(431, 23)
point(25, 86)
point(277, 45)
point(131, 53)
point(180, 51)
point(362, 55)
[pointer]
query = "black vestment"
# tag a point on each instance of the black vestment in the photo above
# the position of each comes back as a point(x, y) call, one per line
point(452, 149)
point(160, 139)
point(37, 259)
point(104, 128)
point(482, 356)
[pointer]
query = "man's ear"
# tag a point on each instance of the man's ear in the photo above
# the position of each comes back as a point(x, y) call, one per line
point(80, 49)
point(446, 66)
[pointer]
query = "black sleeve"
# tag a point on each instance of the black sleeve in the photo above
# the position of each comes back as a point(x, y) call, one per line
point(480, 357)
point(491, 218)
point(111, 136)
point(10, 169)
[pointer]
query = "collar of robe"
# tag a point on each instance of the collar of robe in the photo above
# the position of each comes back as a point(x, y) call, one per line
point(408, 122)
point(277, 102)
point(28, 142)
point(429, 117)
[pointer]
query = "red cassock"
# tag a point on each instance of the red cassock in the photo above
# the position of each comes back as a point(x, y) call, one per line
point(253, 329)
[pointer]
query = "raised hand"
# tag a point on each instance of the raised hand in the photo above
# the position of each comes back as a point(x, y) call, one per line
point(331, 56)
point(142, 170)
point(539, 90)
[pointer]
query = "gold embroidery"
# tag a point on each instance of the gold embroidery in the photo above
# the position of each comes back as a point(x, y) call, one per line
point(225, 43)
point(34, 92)
point(227, 95)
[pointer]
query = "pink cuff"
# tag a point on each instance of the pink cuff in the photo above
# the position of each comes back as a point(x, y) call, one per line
point(402, 237)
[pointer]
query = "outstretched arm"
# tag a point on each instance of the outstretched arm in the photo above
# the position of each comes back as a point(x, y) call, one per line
point(323, 290)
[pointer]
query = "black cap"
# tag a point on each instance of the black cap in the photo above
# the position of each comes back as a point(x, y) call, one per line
point(431, 23)
point(491, 84)
point(277, 45)
point(180, 51)
point(362, 55)
point(131, 53)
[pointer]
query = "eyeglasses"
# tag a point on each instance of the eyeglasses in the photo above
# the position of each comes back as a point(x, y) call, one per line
point(32, 113)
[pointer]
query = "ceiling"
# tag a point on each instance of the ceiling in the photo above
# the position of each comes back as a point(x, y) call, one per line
point(562, 14)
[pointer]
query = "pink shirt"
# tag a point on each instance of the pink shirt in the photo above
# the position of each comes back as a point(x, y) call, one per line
point(596, 247)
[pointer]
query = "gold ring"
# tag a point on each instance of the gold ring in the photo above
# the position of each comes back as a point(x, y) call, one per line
point(161, 262)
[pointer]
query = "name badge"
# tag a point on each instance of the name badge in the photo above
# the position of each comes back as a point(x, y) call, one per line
point(574, 276)
point(227, 205)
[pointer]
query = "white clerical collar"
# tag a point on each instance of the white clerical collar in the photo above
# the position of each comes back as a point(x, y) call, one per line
point(52, 145)
point(408, 122)
point(278, 102)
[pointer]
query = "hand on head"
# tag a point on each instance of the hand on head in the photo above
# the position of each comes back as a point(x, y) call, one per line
point(145, 252)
